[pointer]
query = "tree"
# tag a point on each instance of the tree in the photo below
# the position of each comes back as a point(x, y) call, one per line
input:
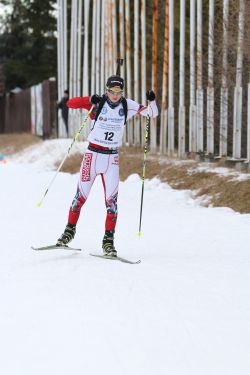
point(28, 43)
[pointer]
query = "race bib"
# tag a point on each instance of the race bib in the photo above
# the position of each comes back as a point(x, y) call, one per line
point(108, 130)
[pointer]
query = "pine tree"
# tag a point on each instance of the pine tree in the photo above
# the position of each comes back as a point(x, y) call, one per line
point(28, 44)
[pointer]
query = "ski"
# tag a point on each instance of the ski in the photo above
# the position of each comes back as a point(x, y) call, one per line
point(115, 258)
point(55, 247)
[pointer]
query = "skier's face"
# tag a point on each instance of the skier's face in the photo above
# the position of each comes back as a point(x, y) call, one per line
point(114, 94)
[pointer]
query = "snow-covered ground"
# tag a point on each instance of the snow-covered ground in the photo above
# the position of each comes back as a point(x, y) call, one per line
point(185, 310)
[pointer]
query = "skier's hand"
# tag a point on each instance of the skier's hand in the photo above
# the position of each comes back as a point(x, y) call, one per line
point(95, 99)
point(150, 95)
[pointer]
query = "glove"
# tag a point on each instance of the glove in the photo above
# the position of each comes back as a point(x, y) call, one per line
point(95, 99)
point(150, 95)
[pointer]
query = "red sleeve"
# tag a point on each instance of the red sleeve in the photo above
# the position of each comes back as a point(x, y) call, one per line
point(79, 102)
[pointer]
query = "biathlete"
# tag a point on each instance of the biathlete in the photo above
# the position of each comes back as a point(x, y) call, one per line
point(109, 116)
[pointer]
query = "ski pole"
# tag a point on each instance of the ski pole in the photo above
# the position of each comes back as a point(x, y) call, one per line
point(70, 147)
point(144, 166)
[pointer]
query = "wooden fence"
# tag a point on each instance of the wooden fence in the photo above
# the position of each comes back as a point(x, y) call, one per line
point(30, 110)
point(198, 63)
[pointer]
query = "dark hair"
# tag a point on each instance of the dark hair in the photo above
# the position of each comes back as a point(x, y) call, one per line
point(115, 81)
point(66, 91)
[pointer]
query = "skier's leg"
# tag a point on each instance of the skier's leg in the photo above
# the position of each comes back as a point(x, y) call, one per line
point(87, 177)
point(86, 180)
point(110, 181)
point(75, 208)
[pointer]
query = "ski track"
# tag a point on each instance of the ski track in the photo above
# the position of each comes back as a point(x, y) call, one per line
point(184, 310)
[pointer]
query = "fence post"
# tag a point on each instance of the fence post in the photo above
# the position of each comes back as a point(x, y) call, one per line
point(210, 88)
point(192, 106)
point(199, 91)
point(171, 81)
point(143, 65)
point(181, 135)
point(136, 70)
point(238, 89)
point(237, 122)
point(248, 123)
point(153, 125)
point(128, 67)
point(224, 89)
point(163, 135)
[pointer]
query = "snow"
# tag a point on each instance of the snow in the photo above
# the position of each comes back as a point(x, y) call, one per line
point(185, 310)
point(221, 171)
point(49, 152)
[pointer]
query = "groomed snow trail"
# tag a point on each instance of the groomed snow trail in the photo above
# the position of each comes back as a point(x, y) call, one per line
point(185, 310)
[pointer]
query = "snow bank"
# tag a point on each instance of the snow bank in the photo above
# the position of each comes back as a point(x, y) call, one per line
point(44, 155)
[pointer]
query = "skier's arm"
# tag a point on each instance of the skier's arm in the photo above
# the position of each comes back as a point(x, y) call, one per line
point(153, 109)
point(136, 108)
point(80, 102)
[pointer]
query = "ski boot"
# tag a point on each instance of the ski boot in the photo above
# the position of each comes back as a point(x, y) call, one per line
point(67, 236)
point(108, 244)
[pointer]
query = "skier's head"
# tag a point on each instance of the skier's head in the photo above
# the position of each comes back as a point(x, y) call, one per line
point(115, 86)
point(115, 81)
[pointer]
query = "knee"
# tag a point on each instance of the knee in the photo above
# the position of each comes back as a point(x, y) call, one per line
point(78, 202)
point(111, 205)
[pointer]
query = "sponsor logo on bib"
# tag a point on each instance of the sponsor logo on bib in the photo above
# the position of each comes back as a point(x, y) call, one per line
point(104, 110)
point(121, 112)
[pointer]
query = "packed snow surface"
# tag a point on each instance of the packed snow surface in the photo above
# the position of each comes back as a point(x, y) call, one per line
point(185, 310)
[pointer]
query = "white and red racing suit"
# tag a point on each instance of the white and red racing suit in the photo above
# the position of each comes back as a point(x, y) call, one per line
point(101, 157)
